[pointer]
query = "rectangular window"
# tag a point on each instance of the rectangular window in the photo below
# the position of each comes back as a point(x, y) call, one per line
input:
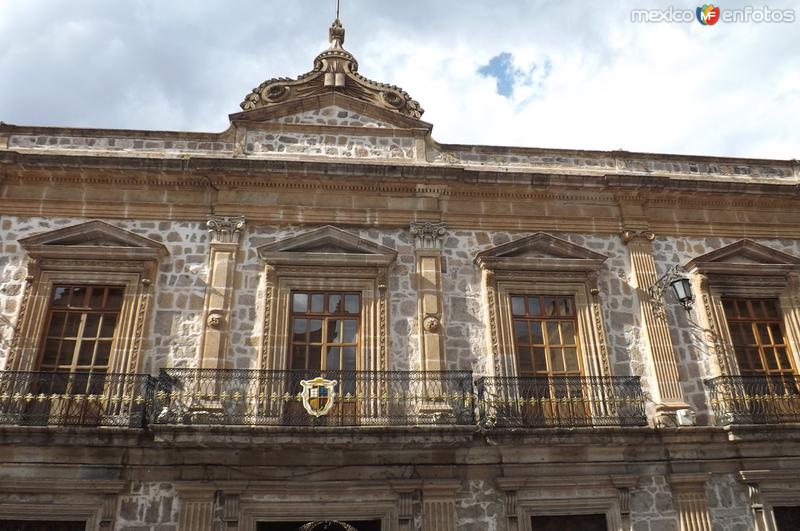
point(324, 330)
point(80, 328)
point(787, 518)
point(759, 342)
point(545, 335)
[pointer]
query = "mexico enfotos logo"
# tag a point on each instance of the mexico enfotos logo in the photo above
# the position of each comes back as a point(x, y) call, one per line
point(710, 15)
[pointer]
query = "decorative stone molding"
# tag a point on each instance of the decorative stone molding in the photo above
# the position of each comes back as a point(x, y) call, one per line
point(743, 269)
point(540, 264)
point(94, 252)
point(335, 69)
point(630, 235)
point(225, 229)
point(225, 233)
point(230, 511)
point(428, 234)
point(768, 489)
point(439, 507)
point(431, 323)
point(326, 259)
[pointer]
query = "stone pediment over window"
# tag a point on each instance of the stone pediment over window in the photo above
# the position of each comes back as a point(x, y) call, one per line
point(327, 246)
point(92, 240)
point(540, 252)
point(745, 258)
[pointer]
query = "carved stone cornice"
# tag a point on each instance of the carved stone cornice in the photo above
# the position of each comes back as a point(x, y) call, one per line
point(335, 69)
point(225, 229)
point(428, 234)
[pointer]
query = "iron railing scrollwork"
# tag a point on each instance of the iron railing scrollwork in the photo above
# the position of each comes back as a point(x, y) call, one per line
point(755, 399)
point(75, 398)
point(560, 401)
point(264, 397)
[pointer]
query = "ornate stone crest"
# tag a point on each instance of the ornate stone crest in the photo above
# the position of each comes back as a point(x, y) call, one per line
point(335, 69)
point(318, 395)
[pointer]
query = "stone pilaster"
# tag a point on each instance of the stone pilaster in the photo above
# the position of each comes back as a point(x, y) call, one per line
point(624, 485)
point(511, 510)
point(109, 512)
point(197, 509)
point(405, 510)
point(439, 508)
point(669, 395)
point(225, 233)
point(428, 241)
point(689, 492)
point(231, 512)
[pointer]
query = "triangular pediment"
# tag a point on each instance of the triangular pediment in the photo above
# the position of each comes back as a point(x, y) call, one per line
point(540, 251)
point(92, 233)
point(745, 255)
point(327, 244)
point(331, 109)
point(92, 238)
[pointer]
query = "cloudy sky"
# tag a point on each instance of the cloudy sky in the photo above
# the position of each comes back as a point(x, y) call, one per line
point(564, 74)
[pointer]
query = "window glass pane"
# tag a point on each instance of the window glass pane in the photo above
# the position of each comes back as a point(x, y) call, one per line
point(521, 331)
point(552, 333)
point(56, 324)
point(550, 306)
point(299, 357)
point(334, 331)
point(334, 303)
point(772, 359)
point(108, 325)
point(317, 302)
point(350, 330)
point(755, 359)
point(534, 306)
point(96, 297)
point(568, 332)
point(556, 360)
point(92, 325)
point(73, 325)
point(539, 360)
point(565, 306)
point(60, 296)
point(86, 353)
point(730, 308)
point(571, 357)
point(525, 361)
point(314, 357)
point(51, 349)
point(518, 305)
point(783, 358)
point(537, 335)
point(351, 304)
point(349, 354)
point(777, 334)
point(771, 309)
point(102, 352)
point(299, 330)
point(315, 331)
point(763, 334)
point(332, 359)
point(78, 299)
point(299, 302)
point(114, 298)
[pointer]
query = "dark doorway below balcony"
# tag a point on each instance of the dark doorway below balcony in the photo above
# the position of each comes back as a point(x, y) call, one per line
point(305, 525)
point(573, 522)
point(38, 525)
point(787, 518)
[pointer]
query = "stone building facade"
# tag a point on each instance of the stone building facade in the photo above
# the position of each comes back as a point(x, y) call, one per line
point(515, 360)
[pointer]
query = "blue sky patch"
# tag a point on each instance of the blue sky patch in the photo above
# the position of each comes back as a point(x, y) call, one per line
point(508, 76)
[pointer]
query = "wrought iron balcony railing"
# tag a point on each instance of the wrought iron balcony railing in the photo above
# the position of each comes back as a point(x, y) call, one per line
point(74, 398)
point(755, 399)
point(561, 401)
point(354, 398)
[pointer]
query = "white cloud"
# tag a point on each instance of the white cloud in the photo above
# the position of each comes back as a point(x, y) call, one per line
point(185, 65)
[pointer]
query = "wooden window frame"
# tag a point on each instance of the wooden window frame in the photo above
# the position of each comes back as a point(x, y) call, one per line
point(535, 265)
point(326, 316)
point(97, 254)
point(325, 259)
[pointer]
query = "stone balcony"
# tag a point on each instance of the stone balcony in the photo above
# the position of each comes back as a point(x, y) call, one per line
point(755, 399)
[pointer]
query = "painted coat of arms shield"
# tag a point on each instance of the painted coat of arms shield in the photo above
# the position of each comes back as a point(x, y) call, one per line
point(318, 395)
